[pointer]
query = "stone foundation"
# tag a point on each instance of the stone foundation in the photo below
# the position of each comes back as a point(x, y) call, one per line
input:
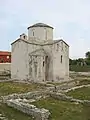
point(38, 114)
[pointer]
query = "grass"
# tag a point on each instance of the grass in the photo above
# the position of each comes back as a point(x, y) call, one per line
point(78, 68)
point(81, 93)
point(61, 110)
point(13, 114)
point(12, 87)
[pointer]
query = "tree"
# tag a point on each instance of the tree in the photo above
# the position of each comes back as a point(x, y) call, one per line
point(87, 55)
point(87, 58)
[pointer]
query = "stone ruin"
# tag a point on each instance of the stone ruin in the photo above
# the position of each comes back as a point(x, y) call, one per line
point(38, 114)
point(22, 102)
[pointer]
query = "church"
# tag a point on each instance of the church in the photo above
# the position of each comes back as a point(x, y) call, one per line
point(38, 57)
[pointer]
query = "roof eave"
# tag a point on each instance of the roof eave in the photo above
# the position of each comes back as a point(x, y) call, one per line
point(40, 26)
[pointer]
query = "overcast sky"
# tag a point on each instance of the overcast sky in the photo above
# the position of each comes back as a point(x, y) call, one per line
point(70, 19)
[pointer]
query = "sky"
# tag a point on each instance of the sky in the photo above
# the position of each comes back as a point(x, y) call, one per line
point(70, 19)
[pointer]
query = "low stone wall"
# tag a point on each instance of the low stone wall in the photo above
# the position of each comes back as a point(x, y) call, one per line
point(60, 96)
point(22, 102)
point(62, 87)
point(84, 73)
point(38, 114)
point(30, 95)
point(79, 73)
point(5, 67)
point(77, 87)
point(63, 97)
point(5, 71)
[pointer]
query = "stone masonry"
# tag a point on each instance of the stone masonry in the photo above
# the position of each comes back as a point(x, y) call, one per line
point(37, 57)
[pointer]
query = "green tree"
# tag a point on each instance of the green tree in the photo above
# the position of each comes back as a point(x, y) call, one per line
point(87, 55)
point(87, 58)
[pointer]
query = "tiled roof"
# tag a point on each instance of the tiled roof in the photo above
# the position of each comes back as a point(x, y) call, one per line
point(5, 53)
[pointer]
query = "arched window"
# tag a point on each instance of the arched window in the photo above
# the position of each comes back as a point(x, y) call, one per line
point(43, 63)
point(61, 45)
point(33, 33)
point(24, 36)
point(57, 47)
point(45, 33)
point(61, 58)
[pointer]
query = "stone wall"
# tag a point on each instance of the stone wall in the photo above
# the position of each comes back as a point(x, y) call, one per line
point(30, 95)
point(5, 71)
point(33, 65)
point(41, 33)
point(77, 87)
point(60, 62)
point(62, 87)
point(22, 102)
point(63, 97)
point(38, 114)
point(5, 67)
point(73, 73)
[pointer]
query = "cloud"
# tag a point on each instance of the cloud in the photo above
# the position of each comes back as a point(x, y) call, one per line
point(70, 18)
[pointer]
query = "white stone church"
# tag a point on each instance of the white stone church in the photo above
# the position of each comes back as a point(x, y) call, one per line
point(37, 57)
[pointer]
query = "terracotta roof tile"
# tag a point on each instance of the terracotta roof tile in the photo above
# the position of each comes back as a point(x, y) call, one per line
point(5, 53)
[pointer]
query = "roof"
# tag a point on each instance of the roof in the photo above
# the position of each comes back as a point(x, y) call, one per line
point(40, 25)
point(43, 43)
point(23, 34)
point(5, 53)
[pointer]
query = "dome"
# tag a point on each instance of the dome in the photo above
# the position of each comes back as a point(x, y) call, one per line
point(40, 25)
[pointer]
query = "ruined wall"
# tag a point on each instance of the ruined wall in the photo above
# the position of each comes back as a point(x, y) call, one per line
point(36, 113)
point(22, 102)
point(60, 61)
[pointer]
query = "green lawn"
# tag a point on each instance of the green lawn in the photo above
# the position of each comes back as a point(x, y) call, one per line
point(81, 93)
point(13, 114)
point(78, 68)
point(12, 87)
point(61, 110)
